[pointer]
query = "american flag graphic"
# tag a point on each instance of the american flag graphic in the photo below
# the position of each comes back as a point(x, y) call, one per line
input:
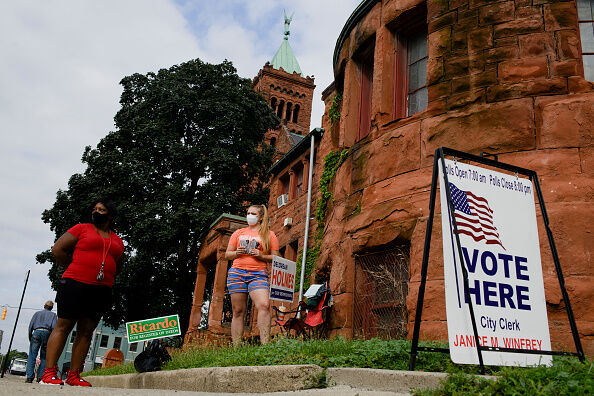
point(474, 217)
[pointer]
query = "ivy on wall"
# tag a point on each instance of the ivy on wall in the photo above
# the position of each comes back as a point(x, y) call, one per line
point(332, 162)
point(334, 111)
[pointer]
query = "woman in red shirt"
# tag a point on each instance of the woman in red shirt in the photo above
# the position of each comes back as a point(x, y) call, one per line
point(251, 248)
point(84, 292)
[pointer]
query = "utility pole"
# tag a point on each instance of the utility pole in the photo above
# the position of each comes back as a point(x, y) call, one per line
point(313, 133)
point(5, 362)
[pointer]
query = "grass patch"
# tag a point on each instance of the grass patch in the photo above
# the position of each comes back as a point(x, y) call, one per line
point(117, 370)
point(567, 376)
point(384, 354)
point(317, 381)
point(338, 352)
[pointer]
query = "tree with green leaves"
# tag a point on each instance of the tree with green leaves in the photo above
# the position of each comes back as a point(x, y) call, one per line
point(187, 147)
point(15, 354)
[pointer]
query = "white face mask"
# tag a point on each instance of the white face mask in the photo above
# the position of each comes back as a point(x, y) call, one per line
point(252, 219)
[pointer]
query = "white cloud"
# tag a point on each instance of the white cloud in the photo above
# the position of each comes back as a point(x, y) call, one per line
point(249, 33)
point(61, 66)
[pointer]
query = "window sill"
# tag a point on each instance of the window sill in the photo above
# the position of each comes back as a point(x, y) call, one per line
point(401, 121)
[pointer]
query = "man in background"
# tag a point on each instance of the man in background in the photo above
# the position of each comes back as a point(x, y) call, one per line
point(41, 326)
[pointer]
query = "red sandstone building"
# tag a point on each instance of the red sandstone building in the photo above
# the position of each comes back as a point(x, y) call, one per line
point(511, 78)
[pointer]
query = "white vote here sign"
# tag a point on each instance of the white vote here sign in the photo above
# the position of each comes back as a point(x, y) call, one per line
point(496, 220)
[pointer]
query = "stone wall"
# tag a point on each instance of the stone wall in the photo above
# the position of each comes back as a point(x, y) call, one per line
point(504, 77)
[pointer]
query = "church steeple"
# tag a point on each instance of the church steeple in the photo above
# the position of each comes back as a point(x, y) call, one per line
point(285, 57)
point(289, 93)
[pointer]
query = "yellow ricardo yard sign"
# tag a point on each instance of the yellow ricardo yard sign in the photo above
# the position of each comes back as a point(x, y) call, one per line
point(149, 329)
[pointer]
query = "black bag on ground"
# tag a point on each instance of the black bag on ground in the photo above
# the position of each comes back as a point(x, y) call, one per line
point(152, 358)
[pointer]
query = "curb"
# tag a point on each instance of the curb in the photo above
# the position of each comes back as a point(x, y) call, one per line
point(383, 380)
point(254, 379)
point(262, 379)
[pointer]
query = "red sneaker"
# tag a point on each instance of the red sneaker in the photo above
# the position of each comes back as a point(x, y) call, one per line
point(50, 377)
point(74, 379)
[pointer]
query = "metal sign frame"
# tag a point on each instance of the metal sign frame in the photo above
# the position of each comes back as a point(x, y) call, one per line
point(440, 154)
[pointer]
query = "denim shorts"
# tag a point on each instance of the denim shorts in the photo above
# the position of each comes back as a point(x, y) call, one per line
point(244, 281)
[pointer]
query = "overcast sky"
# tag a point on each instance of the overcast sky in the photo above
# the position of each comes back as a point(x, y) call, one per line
point(60, 67)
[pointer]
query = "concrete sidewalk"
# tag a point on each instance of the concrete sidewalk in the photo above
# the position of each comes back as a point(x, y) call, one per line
point(16, 386)
point(266, 379)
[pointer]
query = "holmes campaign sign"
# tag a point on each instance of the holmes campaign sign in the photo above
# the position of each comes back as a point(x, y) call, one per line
point(282, 279)
point(496, 220)
point(149, 329)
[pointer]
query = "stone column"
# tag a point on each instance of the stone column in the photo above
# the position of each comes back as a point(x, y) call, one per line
point(305, 172)
point(291, 191)
point(196, 314)
point(218, 291)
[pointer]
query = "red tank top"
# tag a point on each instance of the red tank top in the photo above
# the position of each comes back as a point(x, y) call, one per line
point(88, 254)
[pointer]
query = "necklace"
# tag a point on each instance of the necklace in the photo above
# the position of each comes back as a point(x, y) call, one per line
point(104, 252)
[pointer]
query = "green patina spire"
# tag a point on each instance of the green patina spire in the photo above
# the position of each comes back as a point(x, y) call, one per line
point(285, 57)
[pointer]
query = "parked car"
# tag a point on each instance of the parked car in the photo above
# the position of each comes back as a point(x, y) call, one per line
point(18, 367)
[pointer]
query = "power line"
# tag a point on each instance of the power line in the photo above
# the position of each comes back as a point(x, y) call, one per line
point(10, 306)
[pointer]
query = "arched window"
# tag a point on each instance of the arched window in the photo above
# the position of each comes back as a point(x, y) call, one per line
point(273, 142)
point(280, 108)
point(296, 113)
point(289, 109)
point(273, 104)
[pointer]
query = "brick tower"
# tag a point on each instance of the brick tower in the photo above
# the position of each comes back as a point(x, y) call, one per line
point(289, 93)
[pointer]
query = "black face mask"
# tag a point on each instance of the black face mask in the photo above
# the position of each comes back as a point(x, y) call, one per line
point(98, 218)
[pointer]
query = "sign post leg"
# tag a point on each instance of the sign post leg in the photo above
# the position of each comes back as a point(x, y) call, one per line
point(464, 271)
point(570, 317)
